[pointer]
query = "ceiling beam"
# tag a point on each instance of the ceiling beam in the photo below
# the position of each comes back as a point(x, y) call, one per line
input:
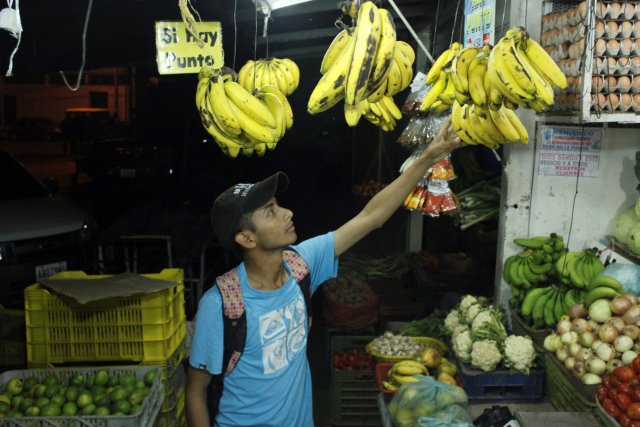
point(296, 36)
point(300, 52)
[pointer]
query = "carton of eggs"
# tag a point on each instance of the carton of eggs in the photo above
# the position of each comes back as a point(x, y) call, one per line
point(625, 102)
point(600, 47)
point(612, 29)
point(628, 10)
point(634, 64)
point(626, 46)
point(626, 29)
point(613, 47)
point(599, 28)
point(624, 65)
point(624, 84)
point(636, 47)
point(597, 84)
point(636, 28)
point(614, 10)
point(601, 10)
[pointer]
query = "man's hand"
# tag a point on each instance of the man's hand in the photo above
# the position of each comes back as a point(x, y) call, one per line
point(443, 143)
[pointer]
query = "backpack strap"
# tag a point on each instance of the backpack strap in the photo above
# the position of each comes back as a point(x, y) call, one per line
point(234, 319)
point(300, 272)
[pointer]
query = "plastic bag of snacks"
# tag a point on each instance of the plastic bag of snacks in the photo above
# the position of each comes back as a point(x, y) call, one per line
point(415, 401)
point(422, 129)
point(443, 170)
point(416, 199)
point(419, 89)
point(440, 200)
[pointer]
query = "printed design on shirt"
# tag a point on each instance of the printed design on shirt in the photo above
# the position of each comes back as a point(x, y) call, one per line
point(282, 334)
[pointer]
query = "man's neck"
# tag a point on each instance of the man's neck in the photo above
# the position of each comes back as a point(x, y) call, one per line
point(265, 270)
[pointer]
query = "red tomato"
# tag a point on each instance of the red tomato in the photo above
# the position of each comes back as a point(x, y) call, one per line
point(624, 373)
point(635, 364)
point(624, 420)
point(623, 401)
point(634, 382)
point(601, 392)
point(635, 394)
point(633, 423)
point(633, 411)
point(615, 382)
point(625, 388)
point(610, 407)
point(606, 382)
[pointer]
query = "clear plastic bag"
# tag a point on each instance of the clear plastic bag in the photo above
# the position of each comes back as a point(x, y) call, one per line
point(440, 200)
point(424, 398)
point(451, 416)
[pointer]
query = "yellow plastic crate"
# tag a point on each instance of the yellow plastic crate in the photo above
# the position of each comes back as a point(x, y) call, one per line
point(140, 328)
point(13, 346)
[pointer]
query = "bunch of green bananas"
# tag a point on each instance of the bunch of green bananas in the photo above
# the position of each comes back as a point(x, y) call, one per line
point(578, 268)
point(535, 265)
point(362, 65)
point(602, 286)
point(546, 305)
point(403, 372)
point(237, 119)
point(281, 73)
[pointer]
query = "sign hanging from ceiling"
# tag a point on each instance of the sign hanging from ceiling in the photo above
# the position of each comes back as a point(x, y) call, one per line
point(178, 51)
point(479, 22)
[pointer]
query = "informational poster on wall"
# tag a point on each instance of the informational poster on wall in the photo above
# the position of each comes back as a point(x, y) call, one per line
point(567, 151)
point(178, 51)
point(479, 22)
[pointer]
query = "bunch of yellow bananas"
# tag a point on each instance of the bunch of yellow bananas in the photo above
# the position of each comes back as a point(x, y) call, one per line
point(238, 120)
point(363, 64)
point(403, 372)
point(383, 113)
point(281, 73)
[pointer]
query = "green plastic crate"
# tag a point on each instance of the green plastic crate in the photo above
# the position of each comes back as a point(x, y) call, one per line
point(354, 403)
point(565, 392)
point(146, 417)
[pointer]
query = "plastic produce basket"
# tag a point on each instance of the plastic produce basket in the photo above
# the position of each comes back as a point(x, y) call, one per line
point(13, 346)
point(354, 403)
point(146, 416)
point(605, 419)
point(147, 327)
point(501, 385)
point(425, 341)
point(520, 327)
point(345, 343)
point(565, 392)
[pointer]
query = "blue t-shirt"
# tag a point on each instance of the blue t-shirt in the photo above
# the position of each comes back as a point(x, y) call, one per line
point(271, 384)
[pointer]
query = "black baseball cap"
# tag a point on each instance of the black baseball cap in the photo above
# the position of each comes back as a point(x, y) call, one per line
point(240, 199)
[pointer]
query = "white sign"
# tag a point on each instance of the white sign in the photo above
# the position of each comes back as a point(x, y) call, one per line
point(479, 22)
point(567, 151)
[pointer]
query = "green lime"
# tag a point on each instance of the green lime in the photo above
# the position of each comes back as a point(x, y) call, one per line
point(14, 386)
point(140, 384)
point(58, 399)
point(101, 411)
point(16, 401)
point(89, 409)
point(84, 399)
point(12, 413)
point(136, 397)
point(50, 380)
point(4, 406)
point(32, 411)
point(70, 408)
point(114, 380)
point(122, 406)
point(42, 401)
point(72, 393)
point(91, 380)
point(102, 377)
point(149, 377)
point(39, 390)
point(128, 379)
point(76, 380)
point(52, 390)
point(50, 410)
point(129, 388)
point(29, 382)
point(102, 399)
point(118, 393)
point(135, 408)
point(118, 414)
point(26, 404)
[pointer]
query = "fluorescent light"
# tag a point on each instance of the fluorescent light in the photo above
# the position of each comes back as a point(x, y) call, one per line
point(277, 4)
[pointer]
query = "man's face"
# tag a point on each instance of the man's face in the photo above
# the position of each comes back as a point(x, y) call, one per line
point(273, 226)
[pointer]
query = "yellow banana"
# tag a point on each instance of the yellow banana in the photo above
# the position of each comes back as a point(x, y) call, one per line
point(385, 50)
point(406, 48)
point(254, 129)
point(507, 57)
point(437, 88)
point(460, 67)
point(489, 128)
point(276, 108)
point(226, 143)
point(391, 107)
point(456, 118)
point(394, 79)
point(279, 79)
point(476, 125)
point(288, 112)
point(244, 72)
point(267, 79)
point(352, 113)
point(330, 89)
point(221, 109)
point(538, 56)
point(447, 96)
point(249, 104)
point(406, 69)
point(523, 135)
point(403, 379)
point(544, 91)
point(439, 107)
point(367, 35)
point(499, 69)
point(504, 125)
point(441, 62)
point(335, 49)
point(290, 68)
point(378, 93)
point(476, 84)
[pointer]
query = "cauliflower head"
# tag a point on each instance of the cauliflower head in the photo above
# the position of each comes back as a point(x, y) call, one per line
point(485, 355)
point(462, 345)
point(452, 320)
point(519, 353)
point(484, 317)
point(472, 312)
point(466, 302)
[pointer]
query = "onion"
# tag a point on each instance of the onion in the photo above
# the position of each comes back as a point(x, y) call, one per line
point(619, 305)
point(628, 356)
point(631, 297)
point(606, 352)
point(596, 344)
point(607, 333)
point(617, 323)
point(587, 338)
point(623, 343)
point(594, 325)
point(557, 342)
point(570, 362)
point(632, 315)
point(549, 342)
point(584, 354)
point(591, 379)
point(579, 370)
point(599, 310)
point(632, 331)
point(597, 366)
point(613, 364)
point(570, 337)
point(574, 348)
point(580, 325)
point(562, 353)
point(577, 311)
point(563, 326)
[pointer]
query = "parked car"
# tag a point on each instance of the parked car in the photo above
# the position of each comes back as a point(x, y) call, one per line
point(40, 233)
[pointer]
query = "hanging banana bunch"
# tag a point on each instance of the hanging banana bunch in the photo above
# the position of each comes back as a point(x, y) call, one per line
point(241, 121)
point(281, 73)
point(365, 66)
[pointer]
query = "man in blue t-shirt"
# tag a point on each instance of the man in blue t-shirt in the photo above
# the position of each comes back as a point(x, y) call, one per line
point(271, 383)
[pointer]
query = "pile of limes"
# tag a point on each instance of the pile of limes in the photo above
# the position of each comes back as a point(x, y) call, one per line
point(99, 394)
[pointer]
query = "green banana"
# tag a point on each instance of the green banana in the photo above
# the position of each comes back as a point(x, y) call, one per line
point(531, 242)
point(600, 292)
point(576, 278)
point(570, 298)
point(506, 276)
point(530, 299)
point(538, 308)
point(560, 307)
point(541, 268)
point(549, 307)
point(602, 280)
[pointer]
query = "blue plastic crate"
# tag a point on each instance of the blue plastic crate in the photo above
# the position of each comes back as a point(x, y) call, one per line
point(501, 385)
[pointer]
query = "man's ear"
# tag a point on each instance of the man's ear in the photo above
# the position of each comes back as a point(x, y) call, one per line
point(246, 239)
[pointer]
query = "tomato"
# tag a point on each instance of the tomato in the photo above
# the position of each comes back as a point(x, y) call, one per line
point(626, 388)
point(623, 401)
point(633, 411)
point(606, 382)
point(610, 407)
point(635, 364)
point(634, 382)
point(624, 373)
point(615, 382)
point(635, 394)
point(634, 423)
point(624, 420)
point(601, 392)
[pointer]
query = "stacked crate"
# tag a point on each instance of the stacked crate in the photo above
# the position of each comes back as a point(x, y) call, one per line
point(146, 329)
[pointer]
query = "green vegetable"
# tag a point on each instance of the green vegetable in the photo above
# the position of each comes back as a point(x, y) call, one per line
point(624, 223)
point(429, 326)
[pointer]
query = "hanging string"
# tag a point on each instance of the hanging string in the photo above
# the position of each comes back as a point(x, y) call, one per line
point(455, 20)
point(575, 196)
point(235, 32)
point(84, 52)
point(504, 10)
point(435, 28)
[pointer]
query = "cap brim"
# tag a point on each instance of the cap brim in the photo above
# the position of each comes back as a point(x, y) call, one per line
point(264, 190)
